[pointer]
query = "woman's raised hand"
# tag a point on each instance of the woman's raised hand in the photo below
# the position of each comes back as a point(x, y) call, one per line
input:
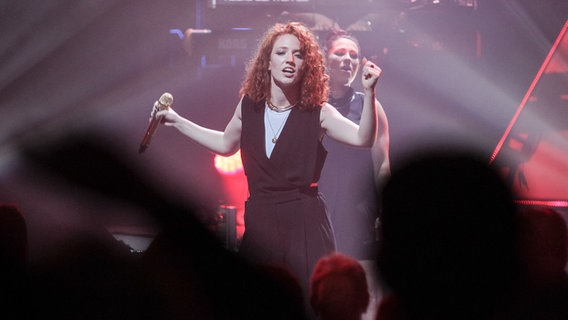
point(370, 74)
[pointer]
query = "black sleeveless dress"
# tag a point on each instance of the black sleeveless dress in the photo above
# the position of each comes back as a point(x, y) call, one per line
point(348, 184)
point(286, 222)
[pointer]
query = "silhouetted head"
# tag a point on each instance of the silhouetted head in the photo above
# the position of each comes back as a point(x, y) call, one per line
point(13, 236)
point(447, 236)
point(543, 239)
point(338, 288)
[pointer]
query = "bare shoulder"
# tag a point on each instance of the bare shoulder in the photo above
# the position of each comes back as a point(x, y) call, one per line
point(330, 118)
point(238, 110)
point(327, 110)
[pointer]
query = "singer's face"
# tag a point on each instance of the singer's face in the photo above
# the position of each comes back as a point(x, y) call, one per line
point(286, 61)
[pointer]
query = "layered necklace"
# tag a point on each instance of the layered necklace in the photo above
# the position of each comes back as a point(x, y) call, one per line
point(277, 115)
point(279, 109)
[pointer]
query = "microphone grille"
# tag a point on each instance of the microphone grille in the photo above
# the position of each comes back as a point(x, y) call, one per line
point(166, 99)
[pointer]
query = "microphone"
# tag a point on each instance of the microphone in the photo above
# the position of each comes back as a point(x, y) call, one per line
point(163, 103)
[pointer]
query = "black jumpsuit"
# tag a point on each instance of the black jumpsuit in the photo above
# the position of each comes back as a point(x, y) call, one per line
point(286, 222)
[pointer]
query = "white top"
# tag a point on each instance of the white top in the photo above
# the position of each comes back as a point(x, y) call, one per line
point(273, 124)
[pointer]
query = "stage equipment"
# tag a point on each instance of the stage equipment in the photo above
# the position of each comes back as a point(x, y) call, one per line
point(533, 152)
point(226, 227)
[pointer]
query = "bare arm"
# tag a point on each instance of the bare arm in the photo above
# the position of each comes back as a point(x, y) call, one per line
point(343, 130)
point(380, 150)
point(220, 142)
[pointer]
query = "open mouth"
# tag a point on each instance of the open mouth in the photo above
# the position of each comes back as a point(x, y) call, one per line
point(288, 71)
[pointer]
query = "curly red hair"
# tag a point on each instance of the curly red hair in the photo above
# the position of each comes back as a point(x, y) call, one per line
point(314, 84)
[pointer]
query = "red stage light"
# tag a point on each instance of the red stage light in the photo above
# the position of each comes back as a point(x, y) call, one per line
point(229, 165)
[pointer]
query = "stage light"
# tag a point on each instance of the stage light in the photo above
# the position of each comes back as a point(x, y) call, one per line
point(229, 165)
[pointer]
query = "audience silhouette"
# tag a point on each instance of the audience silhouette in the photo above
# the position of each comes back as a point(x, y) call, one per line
point(13, 258)
point(452, 245)
point(196, 278)
point(543, 292)
point(13, 236)
point(185, 273)
point(92, 276)
point(338, 288)
point(447, 239)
